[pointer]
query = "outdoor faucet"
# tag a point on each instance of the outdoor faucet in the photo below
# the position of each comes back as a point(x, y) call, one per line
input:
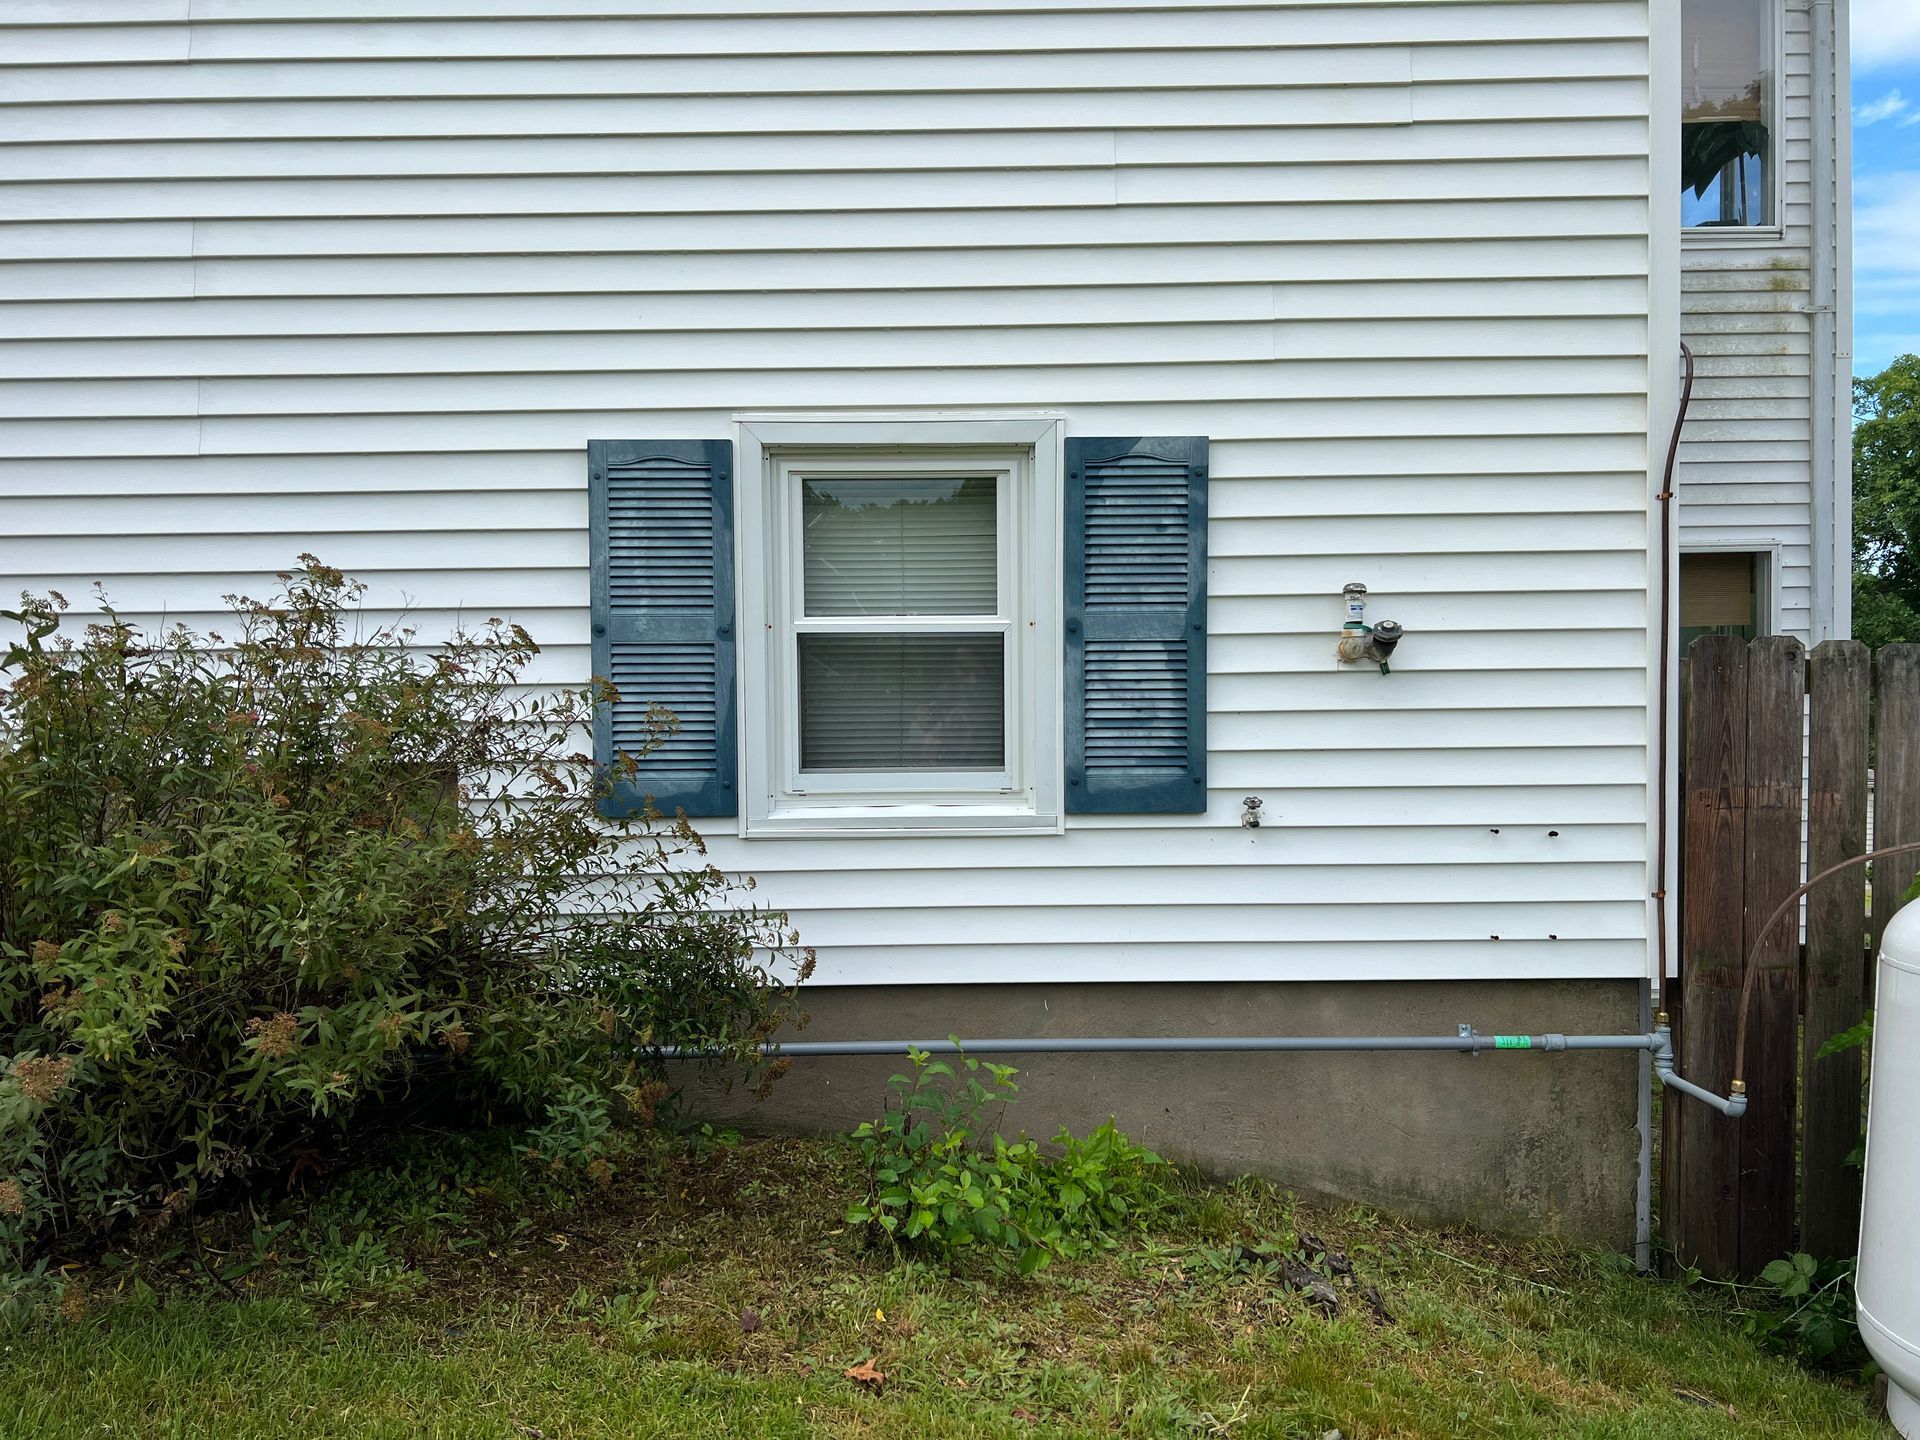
point(1361, 641)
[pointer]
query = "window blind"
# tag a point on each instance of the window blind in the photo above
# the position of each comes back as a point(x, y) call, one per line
point(900, 546)
point(902, 702)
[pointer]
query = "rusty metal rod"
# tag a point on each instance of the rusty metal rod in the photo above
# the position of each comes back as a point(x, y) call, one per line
point(1765, 933)
point(1662, 747)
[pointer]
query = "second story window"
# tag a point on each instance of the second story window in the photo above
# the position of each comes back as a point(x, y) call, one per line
point(1727, 113)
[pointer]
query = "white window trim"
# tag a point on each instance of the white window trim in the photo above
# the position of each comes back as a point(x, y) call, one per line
point(1775, 231)
point(1027, 451)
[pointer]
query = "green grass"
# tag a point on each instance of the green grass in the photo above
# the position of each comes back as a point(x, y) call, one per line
point(453, 1296)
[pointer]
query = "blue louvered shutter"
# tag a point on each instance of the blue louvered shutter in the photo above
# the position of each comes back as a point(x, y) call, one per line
point(662, 543)
point(1136, 593)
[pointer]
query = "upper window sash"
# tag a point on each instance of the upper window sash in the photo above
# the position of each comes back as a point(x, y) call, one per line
point(1731, 108)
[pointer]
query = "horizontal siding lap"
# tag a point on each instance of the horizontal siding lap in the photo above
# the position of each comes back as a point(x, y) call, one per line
point(1200, 961)
point(341, 414)
point(1435, 357)
point(740, 74)
point(630, 313)
point(1377, 229)
point(820, 34)
point(102, 11)
point(1262, 476)
point(1300, 892)
point(1515, 852)
point(1390, 258)
point(1163, 918)
point(368, 117)
point(1594, 143)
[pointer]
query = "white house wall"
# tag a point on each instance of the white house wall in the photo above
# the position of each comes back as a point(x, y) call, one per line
point(1746, 459)
point(366, 286)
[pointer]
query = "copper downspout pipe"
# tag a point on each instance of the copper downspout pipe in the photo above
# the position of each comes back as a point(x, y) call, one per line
point(1665, 497)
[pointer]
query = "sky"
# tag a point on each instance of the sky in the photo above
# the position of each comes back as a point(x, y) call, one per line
point(1886, 181)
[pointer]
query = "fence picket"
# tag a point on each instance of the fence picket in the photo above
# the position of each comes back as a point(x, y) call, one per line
point(1896, 779)
point(1839, 683)
point(1703, 1228)
point(1776, 693)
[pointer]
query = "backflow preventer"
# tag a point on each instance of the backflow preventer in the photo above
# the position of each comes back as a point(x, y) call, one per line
point(1361, 641)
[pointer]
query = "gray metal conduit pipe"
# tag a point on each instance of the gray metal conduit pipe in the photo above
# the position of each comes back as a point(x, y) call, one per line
point(1467, 1041)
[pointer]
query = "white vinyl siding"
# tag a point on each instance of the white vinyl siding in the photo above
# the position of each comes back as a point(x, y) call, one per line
point(1745, 467)
point(364, 277)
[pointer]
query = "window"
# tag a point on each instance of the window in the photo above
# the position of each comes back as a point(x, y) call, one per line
point(1727, 110)
point(901, 605)
point(900, 625)
point(1724, 593)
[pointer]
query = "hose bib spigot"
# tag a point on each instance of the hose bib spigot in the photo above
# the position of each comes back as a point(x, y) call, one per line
point(1361, 641)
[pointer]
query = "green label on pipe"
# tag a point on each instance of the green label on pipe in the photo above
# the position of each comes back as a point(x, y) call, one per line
point(1513, 1042)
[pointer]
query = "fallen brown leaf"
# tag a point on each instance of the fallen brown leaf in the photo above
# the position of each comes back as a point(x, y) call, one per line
point(865, 1374)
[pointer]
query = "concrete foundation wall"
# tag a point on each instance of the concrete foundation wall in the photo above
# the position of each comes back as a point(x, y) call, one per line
point(1519, 1142)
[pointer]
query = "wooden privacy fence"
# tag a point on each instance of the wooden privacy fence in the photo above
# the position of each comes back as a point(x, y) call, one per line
point(1736, 1194)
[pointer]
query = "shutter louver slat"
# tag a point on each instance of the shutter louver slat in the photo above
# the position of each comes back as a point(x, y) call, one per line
point(662, 538)
point(1136, 625)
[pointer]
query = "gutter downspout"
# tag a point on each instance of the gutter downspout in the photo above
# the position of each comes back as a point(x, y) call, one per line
point(1823, 391)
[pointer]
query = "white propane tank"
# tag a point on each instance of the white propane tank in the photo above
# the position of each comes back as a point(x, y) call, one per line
point(1889, 1279)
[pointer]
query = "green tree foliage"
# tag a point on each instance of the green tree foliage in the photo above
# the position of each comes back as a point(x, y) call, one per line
point(1886, 504)
point(254, 889)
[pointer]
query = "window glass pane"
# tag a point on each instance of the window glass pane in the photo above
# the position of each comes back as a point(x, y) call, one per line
point(902, 702)
point(1719, 595)
point(896, 546)
point(1726, 139)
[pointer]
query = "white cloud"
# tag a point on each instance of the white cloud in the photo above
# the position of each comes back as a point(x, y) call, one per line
point(1886, 267)
point(1885, 32)
point(1885, 108)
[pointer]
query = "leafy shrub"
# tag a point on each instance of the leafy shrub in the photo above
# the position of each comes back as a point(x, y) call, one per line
point(251, 890)
point(943, 1181)
point(1858, 1036)
point(1814, 1311)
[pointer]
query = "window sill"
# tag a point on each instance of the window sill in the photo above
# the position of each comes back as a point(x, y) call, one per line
point(1705, 236)
point(869, 820)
